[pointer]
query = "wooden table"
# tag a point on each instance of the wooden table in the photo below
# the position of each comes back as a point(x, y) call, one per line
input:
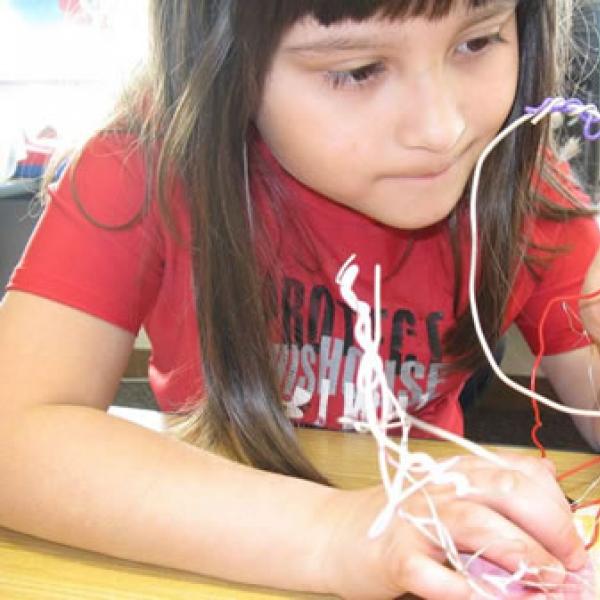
point(31, 569)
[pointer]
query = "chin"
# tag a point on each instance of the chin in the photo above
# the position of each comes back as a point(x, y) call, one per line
point(415, 211)
point(413, 222)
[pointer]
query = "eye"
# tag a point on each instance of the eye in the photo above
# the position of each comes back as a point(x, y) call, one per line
point(479, 44)
point(354, 77)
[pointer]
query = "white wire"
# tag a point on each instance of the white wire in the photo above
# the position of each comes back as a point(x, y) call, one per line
point(371, 363)
point(397, 478)
point(534, 118)
point(397, 475)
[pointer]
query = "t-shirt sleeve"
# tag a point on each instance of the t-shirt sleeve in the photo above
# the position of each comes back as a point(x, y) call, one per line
point(577, 242)
point(97, 246)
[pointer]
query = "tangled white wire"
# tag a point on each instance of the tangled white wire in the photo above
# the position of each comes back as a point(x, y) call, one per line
point(403, 472)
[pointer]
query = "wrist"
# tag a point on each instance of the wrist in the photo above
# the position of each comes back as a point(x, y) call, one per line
point(345, 554)
point(330, 543)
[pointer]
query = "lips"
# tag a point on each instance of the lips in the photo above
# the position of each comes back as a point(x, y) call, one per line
point(428, 171)
point(428, 174)
point(433, 168)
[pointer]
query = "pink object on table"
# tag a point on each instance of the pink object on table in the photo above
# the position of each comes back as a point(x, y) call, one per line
point(580, 585)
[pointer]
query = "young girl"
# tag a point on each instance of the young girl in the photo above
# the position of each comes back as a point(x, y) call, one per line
point(267, 142)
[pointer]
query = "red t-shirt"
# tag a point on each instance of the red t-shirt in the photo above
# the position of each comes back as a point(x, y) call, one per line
point(142, 275)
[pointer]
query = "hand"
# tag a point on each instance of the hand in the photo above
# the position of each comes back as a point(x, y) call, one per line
point(590, 309)
point(519, 515)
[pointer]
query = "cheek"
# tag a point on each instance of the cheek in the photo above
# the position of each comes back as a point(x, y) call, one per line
point(494, 88)
point(279, 121)
point(491, 105)
point(298, 116)
point(308, 141)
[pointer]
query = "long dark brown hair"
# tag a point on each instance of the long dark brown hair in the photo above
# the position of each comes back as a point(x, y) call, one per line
point(196, 102)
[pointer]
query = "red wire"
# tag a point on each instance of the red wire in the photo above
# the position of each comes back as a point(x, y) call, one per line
point(538, 421)
point(581, 467)
point(585, 504)
point(542, 347)
point(532, 382)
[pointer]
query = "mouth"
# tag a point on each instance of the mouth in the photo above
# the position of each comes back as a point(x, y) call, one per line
point(429, 175)
point(426, 174)
point(430, 172)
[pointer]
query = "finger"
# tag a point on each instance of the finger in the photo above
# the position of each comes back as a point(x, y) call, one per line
point(541, 472)
point(432, 580)
point(525, 475)
point(478, 529)
point(533, 509)
point(549, 464)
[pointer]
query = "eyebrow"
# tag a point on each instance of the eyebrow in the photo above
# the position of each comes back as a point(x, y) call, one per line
point(344, 42)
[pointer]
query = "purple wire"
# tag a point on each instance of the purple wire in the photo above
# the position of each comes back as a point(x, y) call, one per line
point(591, 131)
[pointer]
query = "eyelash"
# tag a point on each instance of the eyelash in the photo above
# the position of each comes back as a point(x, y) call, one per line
point(488, 40)
point(364, 75)
point(358, 77)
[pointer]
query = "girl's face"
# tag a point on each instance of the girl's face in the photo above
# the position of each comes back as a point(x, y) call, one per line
point(388, 117)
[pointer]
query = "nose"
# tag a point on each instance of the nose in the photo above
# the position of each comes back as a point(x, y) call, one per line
point(431, 120)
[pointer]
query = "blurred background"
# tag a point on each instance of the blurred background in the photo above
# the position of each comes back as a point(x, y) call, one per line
point(584, 73)
point(62, 63)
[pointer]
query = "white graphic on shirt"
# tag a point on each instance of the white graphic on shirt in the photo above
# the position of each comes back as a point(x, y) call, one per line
point(306, 375)
point(317, 358)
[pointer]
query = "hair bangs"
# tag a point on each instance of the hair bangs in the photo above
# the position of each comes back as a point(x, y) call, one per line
point(328, 12)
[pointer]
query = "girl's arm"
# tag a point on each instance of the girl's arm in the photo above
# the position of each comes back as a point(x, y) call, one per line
point(75, 475)
point(575, 375)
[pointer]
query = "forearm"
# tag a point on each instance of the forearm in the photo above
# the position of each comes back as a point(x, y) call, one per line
point(80, 477)
point(575, 377)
